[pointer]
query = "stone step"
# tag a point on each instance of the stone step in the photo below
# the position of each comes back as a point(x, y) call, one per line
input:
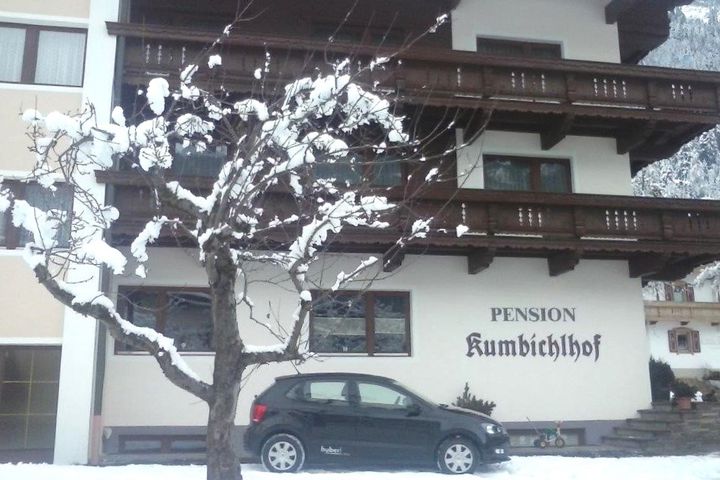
point(662, 406)
point(673, 416)
point(629, 432)
point(649, 425)
point(638, 444)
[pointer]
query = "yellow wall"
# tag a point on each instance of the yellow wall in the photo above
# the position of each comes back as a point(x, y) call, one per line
point(27, 309)
point(64, 8)
point(14, 154)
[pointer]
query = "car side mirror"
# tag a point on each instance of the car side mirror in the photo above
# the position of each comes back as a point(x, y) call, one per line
point(413, 410)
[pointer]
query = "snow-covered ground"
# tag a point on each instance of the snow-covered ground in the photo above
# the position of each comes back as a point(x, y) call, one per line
point(520, 468)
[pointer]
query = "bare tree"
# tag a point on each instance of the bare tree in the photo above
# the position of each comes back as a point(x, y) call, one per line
point(268, 206)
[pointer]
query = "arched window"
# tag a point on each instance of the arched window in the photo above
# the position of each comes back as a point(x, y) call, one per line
point(683, 340)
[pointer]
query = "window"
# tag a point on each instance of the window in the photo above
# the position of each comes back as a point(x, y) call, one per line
point(188, 161)
point(526, 174)
point(325, 392)
point(28, 398)
point(364, 323)
point(683, 340)
point(183, 314)
point(679, 292)
point(517, 48)
point(42, 55)
point(344, 171)
point(379, 396)
point(39, 197)
point(378, 171)
point(149, 444)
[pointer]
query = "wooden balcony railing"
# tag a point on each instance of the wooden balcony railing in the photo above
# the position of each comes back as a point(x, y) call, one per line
point(456, 78)
point(664, 238)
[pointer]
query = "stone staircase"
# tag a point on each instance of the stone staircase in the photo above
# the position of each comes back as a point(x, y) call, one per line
point(663, 429)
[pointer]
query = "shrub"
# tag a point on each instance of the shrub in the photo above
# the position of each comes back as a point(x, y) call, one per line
point(682, 389)
point(713, 375)
point(661, 379)
point(471, 402)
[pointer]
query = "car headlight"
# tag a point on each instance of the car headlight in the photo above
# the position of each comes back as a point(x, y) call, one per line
point(492, 429)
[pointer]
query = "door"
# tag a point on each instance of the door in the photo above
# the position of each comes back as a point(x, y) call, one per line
point(393, 426)
point(329, 419)
point(28, 402)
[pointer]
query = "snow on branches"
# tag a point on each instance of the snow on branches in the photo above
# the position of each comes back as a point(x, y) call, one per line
point(269, 204)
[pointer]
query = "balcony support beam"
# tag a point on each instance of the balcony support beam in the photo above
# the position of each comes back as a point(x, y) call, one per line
point(645, 264)
point(479, 260)
point(556, 132)
point(476, 125)
point(635, 137)
point(616, 8)
point(563, 262)
point(393, 259)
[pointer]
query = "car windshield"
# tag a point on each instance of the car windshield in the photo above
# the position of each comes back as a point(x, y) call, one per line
point(410, 390)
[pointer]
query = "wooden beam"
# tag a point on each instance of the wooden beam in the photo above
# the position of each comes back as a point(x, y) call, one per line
point(556, 132)
point(680, 269)
point(393, 259)
point(646, 263)
point(635, 137)
point(616, 8)
point(479, 260)
point(476, 125)
point(563, 262)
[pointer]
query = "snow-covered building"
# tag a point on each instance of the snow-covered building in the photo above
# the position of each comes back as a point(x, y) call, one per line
point(536, 301)
point(683, 324)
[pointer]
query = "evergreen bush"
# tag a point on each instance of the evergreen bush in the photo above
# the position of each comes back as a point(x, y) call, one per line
point(471, 402)
point(661, 379)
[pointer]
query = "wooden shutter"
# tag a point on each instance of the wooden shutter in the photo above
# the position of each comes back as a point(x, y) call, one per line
point(672, 341)
point(695, 336)
point(668, 292)
point(689, 293)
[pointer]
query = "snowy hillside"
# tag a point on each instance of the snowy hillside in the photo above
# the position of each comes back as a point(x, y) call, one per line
point(694, 43)
point(694, 172)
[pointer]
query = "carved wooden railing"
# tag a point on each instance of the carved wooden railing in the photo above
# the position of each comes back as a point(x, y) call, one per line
point(438, 76)
point(500, 215)
point(573, 216)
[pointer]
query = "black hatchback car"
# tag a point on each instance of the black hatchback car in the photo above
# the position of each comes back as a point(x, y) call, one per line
point(328, 418)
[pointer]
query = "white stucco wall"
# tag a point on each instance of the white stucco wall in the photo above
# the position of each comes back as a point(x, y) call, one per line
point(705, 292)
point(687, 363)
point(447, 304)
point(595, 166)
point(578, 25)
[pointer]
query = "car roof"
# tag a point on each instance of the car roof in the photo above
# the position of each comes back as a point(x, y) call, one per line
point(329, 375)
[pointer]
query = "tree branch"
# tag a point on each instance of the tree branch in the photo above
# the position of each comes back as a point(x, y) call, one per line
point(172, 365)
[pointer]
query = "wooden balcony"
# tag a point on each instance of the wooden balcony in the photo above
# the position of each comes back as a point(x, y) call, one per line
point(650, 111)
point(663, 239)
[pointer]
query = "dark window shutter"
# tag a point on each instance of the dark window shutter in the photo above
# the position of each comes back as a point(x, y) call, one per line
point(672, 341)
point(695, 341)
point(690, 293)
point(668, 292)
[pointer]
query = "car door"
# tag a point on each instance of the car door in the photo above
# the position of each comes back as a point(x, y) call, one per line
point(393, 426)
point(329, 419)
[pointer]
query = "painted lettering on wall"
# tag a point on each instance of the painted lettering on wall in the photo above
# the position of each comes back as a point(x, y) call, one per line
point(527, 344)
point(551, 346)
point(532, 314)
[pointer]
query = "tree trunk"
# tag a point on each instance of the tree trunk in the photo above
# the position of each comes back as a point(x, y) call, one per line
point(223, 461)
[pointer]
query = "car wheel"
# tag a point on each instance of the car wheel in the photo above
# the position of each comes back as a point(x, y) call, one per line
point(282, 453)
point(457, 455)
